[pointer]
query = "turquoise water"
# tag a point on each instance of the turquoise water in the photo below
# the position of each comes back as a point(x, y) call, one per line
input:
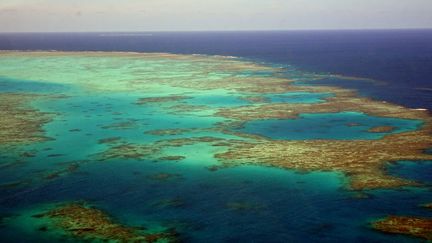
point(231, 100)
point(222, 100)
point(239, 204)
point(343, 125)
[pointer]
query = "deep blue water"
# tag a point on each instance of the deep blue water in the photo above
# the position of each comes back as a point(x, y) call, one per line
point(413, 170)
point(400, 58)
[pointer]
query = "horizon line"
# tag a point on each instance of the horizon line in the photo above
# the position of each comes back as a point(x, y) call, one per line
point(239, 30)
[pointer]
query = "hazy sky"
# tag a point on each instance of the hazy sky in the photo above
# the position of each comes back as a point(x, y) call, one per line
point(150, 15)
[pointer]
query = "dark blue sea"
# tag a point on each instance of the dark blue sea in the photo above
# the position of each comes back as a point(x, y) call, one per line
point(401, 60)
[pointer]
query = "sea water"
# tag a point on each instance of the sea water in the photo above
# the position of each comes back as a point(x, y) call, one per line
point(228, 205)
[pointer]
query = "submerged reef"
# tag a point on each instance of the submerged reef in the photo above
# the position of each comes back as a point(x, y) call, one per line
point(195, 72)
point(407, 225)
point(161, 99)
point(172, 157)
point(170, 132)
point(427, 205)
point(174, 81)
point(19, 122)
point(164, 176)
point(40, 177)
point(109, 140)
point(381, 129)
point(88, 223)
point(152, 150)
point(363, 161)
point(333, 105)
point(133, 109)
point(131, 124)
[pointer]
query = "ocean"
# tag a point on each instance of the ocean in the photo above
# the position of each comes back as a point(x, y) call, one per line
point(401, 60)
point(182, 187)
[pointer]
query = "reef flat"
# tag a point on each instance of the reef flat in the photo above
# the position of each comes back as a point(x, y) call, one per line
point(151, 151)
point(89, 223)
point(363, 161)
point(413, 226)
point(19, 122)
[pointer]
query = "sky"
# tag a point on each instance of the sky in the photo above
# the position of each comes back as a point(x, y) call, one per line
point(192, 15)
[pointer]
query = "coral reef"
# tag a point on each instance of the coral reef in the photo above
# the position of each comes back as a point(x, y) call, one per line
point(20, 123)
point(172, 157)
point(109, 140)
point(333, 105)
point(363, 161)
point(381, 129)
point(169, 132)
point(256, 99)
point(161, 99)
point(164, 176)
point(131, 124)
point(427, 205)
point(152, 150)
point(128, 151)
point(69, 169)
point(413, 226)
point(88, 223)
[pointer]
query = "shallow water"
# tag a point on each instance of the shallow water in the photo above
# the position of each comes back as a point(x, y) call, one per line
point(227, 205)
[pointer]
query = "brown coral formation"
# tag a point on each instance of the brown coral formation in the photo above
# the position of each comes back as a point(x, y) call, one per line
point(131, 124)
point(363, 161)
point(413, 226)
point(109, 140)
point(427, 205)
point(256, 99)
point(381, 129)
point(173, 157)
point(128, 151)
point(92, 224)
point(69, 169)
point(161, 99)
point(20, 123)
point(164, 176)
point(333, 105)
point(170, 132)
point(152, 150)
